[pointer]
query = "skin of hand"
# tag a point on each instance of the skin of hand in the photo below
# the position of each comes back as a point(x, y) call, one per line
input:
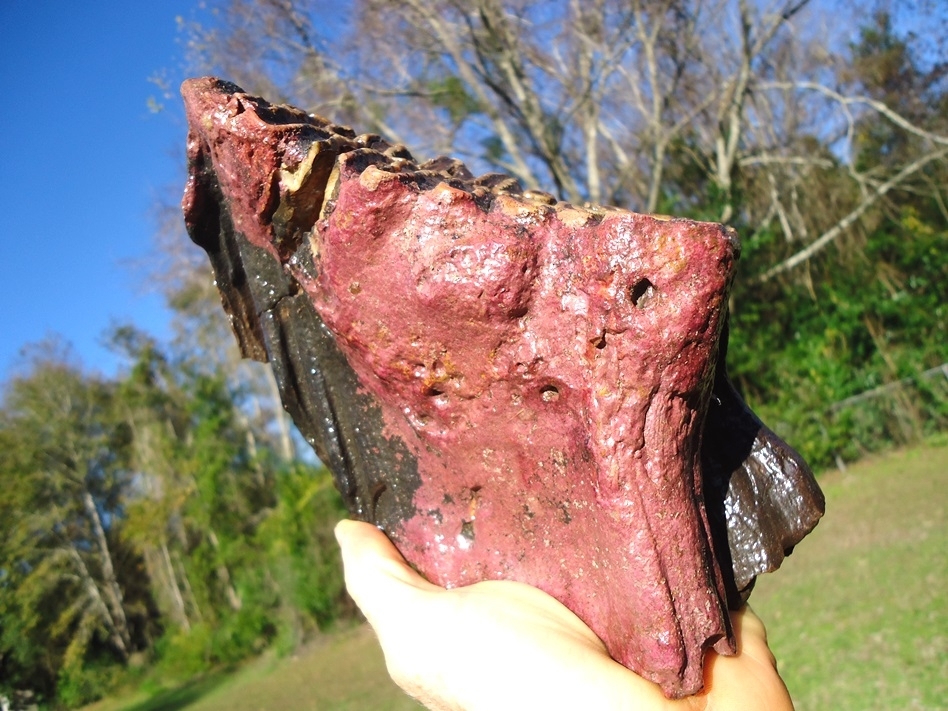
point(500, 645)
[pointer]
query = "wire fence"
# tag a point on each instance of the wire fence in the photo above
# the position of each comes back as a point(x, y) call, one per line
point(899, 412)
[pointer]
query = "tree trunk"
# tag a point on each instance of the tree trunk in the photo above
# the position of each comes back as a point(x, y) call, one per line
point(113, 592)
point(118, 640)
point(223, 574)
point(173, 589)
point(186, 584)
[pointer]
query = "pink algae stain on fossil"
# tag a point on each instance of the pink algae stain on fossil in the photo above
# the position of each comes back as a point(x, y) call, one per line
point(512, 387)
point(576, 359)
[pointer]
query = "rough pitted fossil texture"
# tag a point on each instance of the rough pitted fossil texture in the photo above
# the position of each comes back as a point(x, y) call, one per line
point(511, 387)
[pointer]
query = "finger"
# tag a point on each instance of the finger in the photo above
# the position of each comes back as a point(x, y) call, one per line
point(374, 569)
point(752, 636)
point(748, 680)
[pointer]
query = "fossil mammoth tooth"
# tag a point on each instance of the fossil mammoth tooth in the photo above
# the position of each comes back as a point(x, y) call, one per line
point(510, 386)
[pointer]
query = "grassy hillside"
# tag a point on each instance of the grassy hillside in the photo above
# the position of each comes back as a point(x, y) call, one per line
point(858, 616)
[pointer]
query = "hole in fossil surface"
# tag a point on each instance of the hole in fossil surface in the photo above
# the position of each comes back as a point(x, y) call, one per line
point(549, 393)
point(642, 292)
point(466, 536)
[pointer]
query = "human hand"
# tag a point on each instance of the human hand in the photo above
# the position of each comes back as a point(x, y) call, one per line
point(500, 645)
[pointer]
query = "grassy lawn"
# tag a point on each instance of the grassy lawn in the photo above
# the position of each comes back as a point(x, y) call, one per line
point(858, 615)
point(343, 671)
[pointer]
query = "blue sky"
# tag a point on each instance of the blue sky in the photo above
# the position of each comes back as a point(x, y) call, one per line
point(82, 164)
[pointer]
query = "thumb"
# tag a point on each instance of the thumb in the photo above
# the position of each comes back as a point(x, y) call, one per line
point(375, 571)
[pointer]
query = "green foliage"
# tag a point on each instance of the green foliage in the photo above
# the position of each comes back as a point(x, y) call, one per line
point(855, 324)
point(253, 536)
point(63, 472)
point(833, 355)
point(866, 315)
point(141, 515)
point(153, 515)
point(82, 683)
point(298, 537)
point(183, 654)
point(493, 150)
point(451, 95)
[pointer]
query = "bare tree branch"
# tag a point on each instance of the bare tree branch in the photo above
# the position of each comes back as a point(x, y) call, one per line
point(831, 234)
point(875, 105)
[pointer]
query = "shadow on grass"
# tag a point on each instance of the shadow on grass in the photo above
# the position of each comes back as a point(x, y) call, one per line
point(182, 696)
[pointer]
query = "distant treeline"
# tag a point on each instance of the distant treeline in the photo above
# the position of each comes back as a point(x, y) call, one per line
point(144, 521)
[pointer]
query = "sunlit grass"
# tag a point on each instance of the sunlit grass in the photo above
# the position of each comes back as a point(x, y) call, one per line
point(858, 617)
point(343, 671)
